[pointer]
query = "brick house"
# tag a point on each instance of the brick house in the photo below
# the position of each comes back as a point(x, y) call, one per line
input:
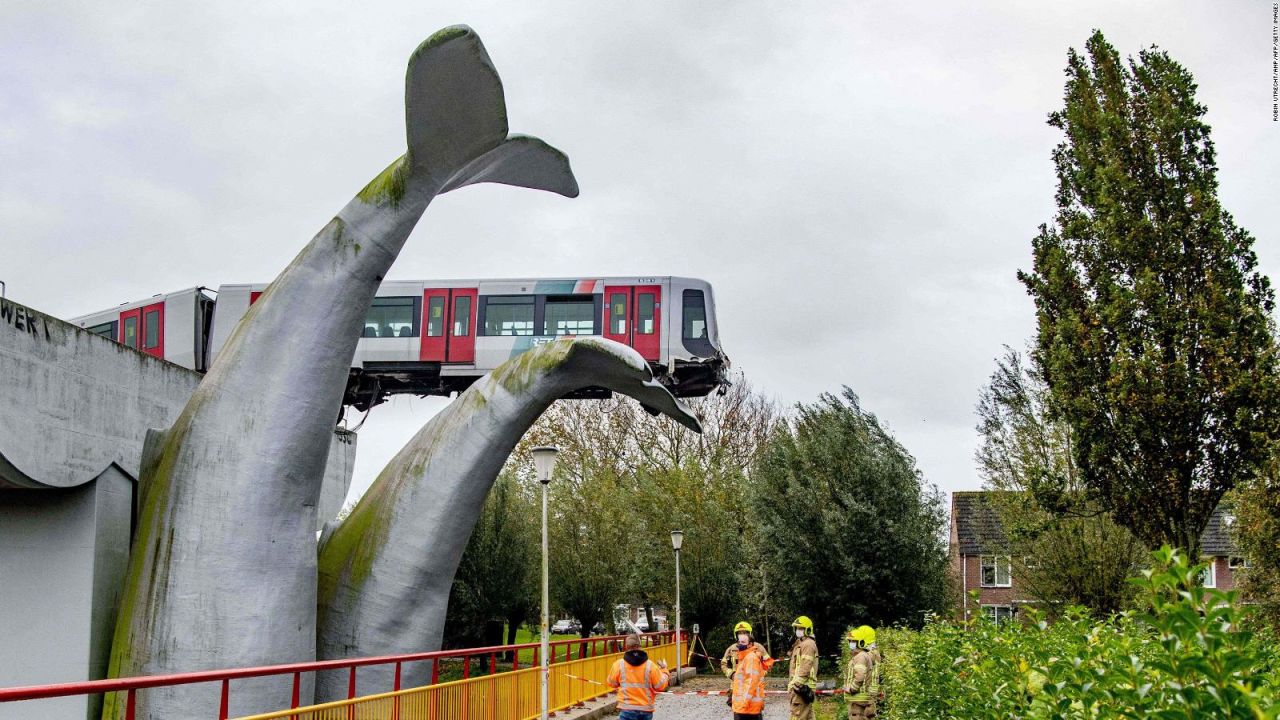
point(980, 556)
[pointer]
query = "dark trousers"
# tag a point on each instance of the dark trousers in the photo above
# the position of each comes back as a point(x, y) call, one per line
point(745, 716)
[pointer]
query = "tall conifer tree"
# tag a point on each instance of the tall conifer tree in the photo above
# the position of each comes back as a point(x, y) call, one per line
point(1154, 328)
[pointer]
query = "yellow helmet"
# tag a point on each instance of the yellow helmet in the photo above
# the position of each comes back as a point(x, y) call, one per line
point(803, 622)
point(743, 626)
point(863, 634)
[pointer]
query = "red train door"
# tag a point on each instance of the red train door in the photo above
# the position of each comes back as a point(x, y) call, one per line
point(462, 326)
point(129, 330)
point(152, 330)
point(617, 313)
point(646, 322)
point(633, 316)
point(435, 311)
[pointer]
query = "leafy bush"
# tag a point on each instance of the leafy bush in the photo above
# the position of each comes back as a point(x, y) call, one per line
point(1183, 655)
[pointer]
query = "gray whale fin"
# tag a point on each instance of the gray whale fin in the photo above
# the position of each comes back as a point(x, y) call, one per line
point(386, 570)
point(456, 122)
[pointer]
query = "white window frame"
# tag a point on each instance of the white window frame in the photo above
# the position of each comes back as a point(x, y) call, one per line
point(996, 561)
point(992, 613)
point(1209, 578)
point(1236, 562)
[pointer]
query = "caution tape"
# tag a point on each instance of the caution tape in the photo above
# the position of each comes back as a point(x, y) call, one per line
point(706, 692)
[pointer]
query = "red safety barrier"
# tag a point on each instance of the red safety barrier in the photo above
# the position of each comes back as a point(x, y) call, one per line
point(130, 686)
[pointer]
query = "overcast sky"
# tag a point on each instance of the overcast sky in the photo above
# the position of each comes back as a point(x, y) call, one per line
point(859, 182)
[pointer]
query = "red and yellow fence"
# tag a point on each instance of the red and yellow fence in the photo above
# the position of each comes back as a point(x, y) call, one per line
point(514, 695)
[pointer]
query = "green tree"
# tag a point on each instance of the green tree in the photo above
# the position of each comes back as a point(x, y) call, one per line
point(1154, 334)
point(849, 531)
point(590, 536)
point(497, 579)
point(659, 477)
point(1065, 549)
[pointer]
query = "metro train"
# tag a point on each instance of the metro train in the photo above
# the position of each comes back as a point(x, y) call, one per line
point(436, 337)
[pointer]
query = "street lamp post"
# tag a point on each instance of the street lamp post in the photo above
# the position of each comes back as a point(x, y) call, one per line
point(544, 462)
point(677, 538)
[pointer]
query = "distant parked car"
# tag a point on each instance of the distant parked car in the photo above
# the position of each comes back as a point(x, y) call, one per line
point(643, 625)
point(562, 627)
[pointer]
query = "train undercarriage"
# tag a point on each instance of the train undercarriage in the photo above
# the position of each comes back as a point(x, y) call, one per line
point(372, 384)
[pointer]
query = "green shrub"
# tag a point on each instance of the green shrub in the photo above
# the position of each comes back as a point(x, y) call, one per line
point(1183, 655)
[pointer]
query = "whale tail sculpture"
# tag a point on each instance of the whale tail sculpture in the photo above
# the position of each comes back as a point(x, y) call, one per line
point(222, 572)
point(386, 570)
point(456, 122)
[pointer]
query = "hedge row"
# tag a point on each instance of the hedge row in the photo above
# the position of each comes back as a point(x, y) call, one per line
point(1185, 654)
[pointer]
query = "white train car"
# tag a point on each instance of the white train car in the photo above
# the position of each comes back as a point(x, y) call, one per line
point(174, 326)
point(436, 337)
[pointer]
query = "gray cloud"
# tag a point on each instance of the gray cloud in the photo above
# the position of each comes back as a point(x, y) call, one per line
point(860, 183)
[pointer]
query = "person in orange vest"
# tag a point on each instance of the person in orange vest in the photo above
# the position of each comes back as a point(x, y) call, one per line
point(745, 663)
point(638, 679)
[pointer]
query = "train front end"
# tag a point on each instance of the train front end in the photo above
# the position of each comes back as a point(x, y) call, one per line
point(697, 364)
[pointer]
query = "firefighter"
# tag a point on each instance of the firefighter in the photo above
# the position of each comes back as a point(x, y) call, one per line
point(638, 680)
point(862, 676)
point(804, 670)
point(745, 663)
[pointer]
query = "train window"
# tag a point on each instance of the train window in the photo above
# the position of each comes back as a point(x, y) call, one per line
point(644, 313)
point(618, 314)
point(392, 317)
point(695, 315)
point(106, 330)
point(508, 315)
point(131, 331)
point(462, 316)
point(435, 316)
point(572, 315)
point(151, 330)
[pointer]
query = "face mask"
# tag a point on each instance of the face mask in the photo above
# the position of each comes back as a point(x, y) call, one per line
point(743, 640)
point(799, 632)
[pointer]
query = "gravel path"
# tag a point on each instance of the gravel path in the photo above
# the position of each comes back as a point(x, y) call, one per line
point(712, 707)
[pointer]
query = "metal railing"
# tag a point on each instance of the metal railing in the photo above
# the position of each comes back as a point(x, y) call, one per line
point(506, 696)
point(585, 649)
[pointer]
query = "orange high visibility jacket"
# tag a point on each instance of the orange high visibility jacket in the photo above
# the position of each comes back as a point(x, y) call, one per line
point(637, 684)
point(749, 667)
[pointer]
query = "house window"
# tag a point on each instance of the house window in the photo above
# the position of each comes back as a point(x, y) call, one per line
point(998, 614)
point(1209, 576)
point(1236, 563)
point(995, 571)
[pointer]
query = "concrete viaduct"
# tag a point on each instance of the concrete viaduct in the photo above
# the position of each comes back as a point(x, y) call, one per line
point(75, 409)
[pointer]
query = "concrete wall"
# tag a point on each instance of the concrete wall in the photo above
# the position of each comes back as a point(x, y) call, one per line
point(75, 408)
point(72, 402)
point(63, 554)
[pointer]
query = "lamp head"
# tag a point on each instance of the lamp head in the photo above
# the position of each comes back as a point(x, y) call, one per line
point(677, 537)
point(544, 462)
